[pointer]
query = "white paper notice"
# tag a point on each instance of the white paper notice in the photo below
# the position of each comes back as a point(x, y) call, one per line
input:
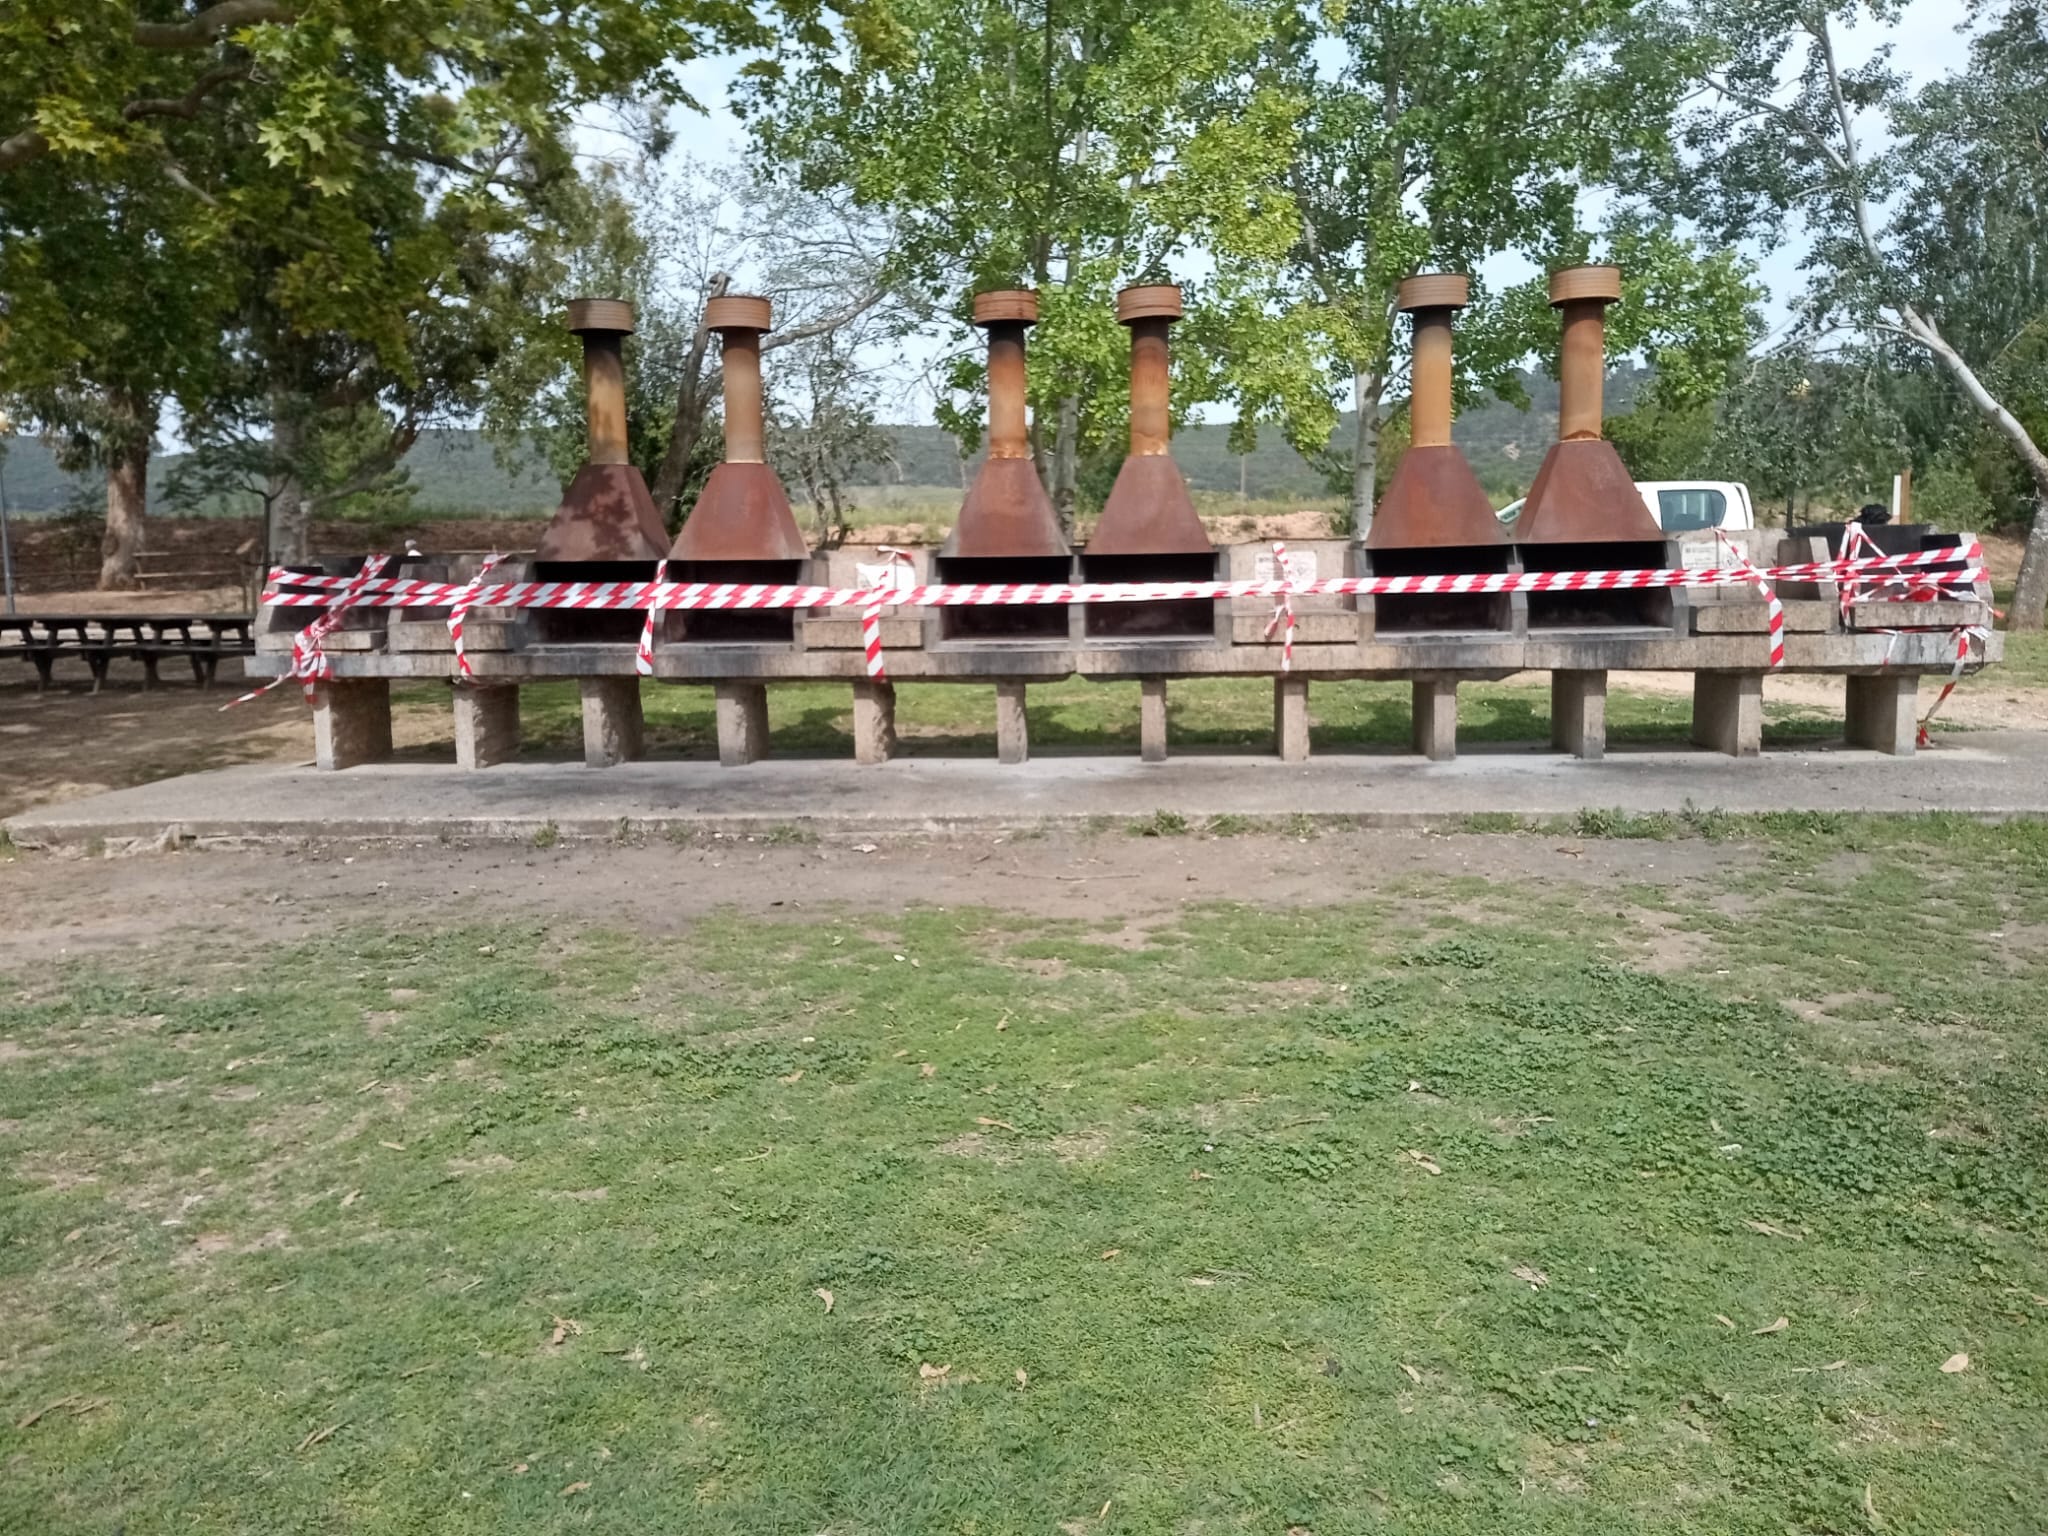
point(1301, 566)
point(892, 576)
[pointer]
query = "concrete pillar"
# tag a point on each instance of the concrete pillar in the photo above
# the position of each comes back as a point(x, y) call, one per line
point(1290, 718)
point(1883, 713)
point(351, 721)
point(742, 722)
point(874, 721)
point(612, 728)
point(486, 724)
point(1578, 714)
point(1434, 717)
point(1728, 712)
point(1013, 734)
point(1152, 719)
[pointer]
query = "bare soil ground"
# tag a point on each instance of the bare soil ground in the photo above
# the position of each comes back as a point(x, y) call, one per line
point(83, 906)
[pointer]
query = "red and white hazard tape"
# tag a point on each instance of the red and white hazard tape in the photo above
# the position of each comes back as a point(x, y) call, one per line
point(1283, 611)
point(368, 588)
point(458, 612)
point(309, 662)
point(1774, 611)
point(871, 614)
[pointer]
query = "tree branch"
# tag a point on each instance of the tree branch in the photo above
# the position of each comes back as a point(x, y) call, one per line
point(187, 105)
point(426, 156)
point(373, 468)
point(201, 30)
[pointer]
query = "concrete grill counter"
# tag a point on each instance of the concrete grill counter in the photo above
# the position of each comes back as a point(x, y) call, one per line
point(1582, 514)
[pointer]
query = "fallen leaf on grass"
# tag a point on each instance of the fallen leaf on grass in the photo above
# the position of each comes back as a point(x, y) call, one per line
point(351, 1198)
point(395, 1146)
point(1725, 1322)
point(926, 1069)
point(1413, 1374)
point(575, 1488)
point(1423, 1161)
point(1110, 1253)
point(933, 1373)
point(863, 847)
point(1808, 1370)
point(1870, 1506)
point(1001, 1125)
point(1955, 1365)
point(519, 1470)
point(1772, 1229)
point(1023, 1380)
point(564, 1326)
point(317, 1436)
point(1198, 1174)
point(825, 1296)
point(795, 1077)
point(1778, 1327)
point(1201, 1280)
point(1529, 1272)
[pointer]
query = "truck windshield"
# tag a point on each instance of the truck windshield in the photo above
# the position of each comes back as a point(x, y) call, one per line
point(1681, 511)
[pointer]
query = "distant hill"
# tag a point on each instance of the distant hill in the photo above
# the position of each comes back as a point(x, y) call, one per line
point(459, 472)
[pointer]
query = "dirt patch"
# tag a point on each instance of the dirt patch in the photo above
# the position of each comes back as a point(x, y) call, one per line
point(1081, 1146)
point(973, 1144)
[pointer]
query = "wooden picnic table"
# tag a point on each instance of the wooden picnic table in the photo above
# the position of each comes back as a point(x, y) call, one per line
point(97, 638)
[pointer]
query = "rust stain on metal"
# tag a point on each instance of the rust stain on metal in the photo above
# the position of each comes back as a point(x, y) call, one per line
point(1006, 514)
point(1583, 494)
point(606, 513)
point(743, 512)
point(1149, 511)
point(1433, 501)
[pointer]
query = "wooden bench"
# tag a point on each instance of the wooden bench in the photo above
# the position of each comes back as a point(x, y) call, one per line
point(97, 639)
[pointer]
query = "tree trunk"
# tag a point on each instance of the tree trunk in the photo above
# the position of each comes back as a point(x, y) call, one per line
point(1365, 451)
point(2030, 596)
point(1066, 463)
point(291, 529)
point(127, 505)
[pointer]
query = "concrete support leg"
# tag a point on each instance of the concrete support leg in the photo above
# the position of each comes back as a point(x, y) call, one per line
point(1290, 718)
point(874, 721)
point(612, 727)
point(1434, 717)
point(486, 725)
point(1578, 714)
point(351, 722)
point(1152, 719)
point(1883, 713)
point(1013, 735)
point(1728, 712)
point(742, 723)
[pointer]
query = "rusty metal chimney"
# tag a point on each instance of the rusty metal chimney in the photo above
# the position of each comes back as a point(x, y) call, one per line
point(1007, 515)
point(1583, 494)
point(743, 512)
point(1148, 511)
point(606, 514)
point(1434, 501)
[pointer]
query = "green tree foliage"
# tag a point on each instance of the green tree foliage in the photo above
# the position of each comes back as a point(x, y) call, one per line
point(1445, 132)
point(1068, 147)
point(1932, 236)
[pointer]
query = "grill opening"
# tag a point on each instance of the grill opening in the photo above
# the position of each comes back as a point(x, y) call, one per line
point(1435, 613)
point(1038, 621)
point(1638, 608)
point(1175, 619)
point(733, 626)
point(572, 626)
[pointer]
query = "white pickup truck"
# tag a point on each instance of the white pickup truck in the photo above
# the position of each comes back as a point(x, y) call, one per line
point(1683, 506)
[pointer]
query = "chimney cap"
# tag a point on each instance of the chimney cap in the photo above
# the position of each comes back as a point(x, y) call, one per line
point(614, 316)
point(739, 312)
point(1434, 290)
point(1006, 304)
point(1570, 284)
point(1148, 301)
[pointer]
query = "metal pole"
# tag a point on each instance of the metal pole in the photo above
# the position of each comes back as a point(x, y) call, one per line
point(6, 538)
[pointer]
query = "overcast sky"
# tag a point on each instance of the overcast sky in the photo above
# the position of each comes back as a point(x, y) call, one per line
point(1926, 41)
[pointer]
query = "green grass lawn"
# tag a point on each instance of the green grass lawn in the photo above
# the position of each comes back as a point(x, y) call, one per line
point(1470, 1207)
point(1205, 712)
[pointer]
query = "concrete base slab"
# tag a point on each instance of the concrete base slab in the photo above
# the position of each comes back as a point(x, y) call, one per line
point(1988, 773)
